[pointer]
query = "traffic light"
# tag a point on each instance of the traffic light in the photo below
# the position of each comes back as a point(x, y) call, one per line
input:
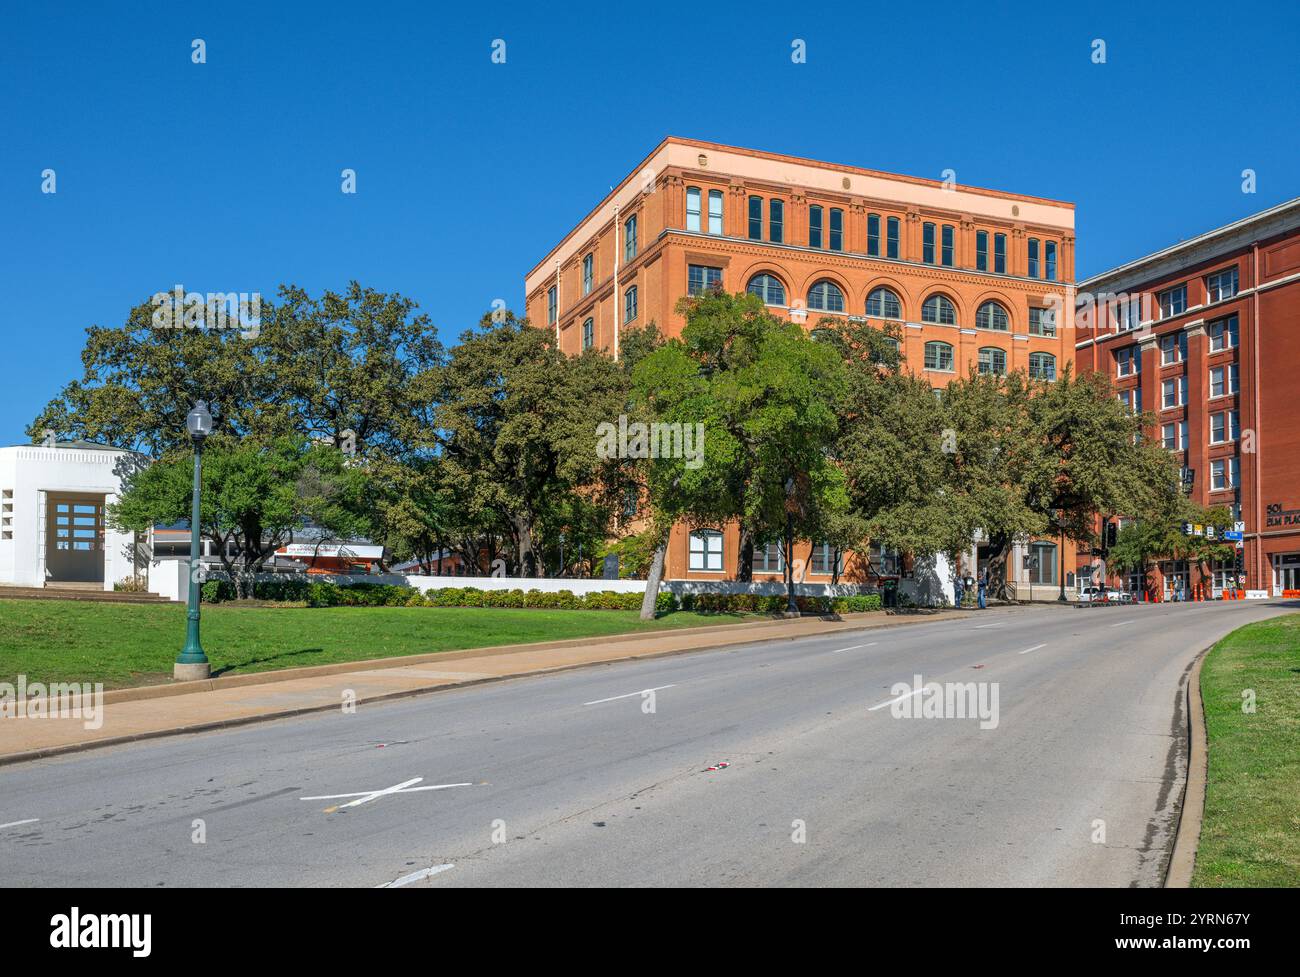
point(1112, 534)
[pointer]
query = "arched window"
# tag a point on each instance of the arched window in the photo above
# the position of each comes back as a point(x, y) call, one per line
point(826, 297)
point(629, 304)
point(884, 304)
point(938, 356)
point(993, 360)
point(938, 308)
point(1042, 366)
point(992, 316)
point(706, 550)
point(588, 334)
point(768, 288)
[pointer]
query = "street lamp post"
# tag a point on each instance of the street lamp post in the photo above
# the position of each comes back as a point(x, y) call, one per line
point(791, 605)
point(192, 663)
point(1060, 523)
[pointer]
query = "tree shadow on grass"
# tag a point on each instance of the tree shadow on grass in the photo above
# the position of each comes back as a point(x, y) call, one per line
point(247, 662)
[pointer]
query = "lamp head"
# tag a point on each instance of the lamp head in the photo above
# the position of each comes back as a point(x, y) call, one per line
point(199, 421)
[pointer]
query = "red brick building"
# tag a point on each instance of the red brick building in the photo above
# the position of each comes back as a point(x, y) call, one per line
point(1206, 335)
point(970, 278)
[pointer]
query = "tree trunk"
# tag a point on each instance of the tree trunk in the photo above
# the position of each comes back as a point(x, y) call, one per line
point(527, 558)
point(745, 564)
point(999, 548)
point(653, 579)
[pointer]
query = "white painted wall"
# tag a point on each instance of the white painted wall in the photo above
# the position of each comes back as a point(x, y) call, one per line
point(31, 473)
point(170, 578)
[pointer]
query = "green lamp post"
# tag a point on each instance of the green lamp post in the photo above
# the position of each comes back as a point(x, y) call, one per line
point(192, 663)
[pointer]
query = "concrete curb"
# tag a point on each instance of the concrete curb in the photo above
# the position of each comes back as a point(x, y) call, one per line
point(1191, 812)
point(193, 687)
point(166, 689)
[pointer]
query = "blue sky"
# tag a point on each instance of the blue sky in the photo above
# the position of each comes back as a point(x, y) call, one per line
point(225, 176)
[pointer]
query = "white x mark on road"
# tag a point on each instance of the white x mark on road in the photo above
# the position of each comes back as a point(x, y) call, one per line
point(366, 796)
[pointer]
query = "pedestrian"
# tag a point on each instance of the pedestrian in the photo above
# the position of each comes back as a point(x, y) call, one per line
point(984, 587)
point(958, 595)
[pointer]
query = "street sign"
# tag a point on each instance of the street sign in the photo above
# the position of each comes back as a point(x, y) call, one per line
point(1239, 527)
point(1232, 533)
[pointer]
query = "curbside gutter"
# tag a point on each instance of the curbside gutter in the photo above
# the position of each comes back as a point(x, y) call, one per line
point(1191, 812)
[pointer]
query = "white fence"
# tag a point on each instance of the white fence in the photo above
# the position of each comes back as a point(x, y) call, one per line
point(170, 578)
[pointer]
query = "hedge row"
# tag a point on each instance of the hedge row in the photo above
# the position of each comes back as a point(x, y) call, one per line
point(322, 594)
point(776, 603)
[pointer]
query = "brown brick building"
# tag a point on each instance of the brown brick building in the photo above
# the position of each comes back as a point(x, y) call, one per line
point(1206, 335)
point(971, 277)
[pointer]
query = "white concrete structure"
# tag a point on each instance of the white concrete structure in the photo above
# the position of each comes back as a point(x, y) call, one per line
point(52, 525)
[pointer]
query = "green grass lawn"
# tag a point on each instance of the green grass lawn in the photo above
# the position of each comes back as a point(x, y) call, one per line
point(1251, 833)
point(135, 644)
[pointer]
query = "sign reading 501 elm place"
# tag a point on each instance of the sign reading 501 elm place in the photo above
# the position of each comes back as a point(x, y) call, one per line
point(1277, 516)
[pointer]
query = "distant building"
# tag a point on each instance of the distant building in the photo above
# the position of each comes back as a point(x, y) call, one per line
point(1205, 334)
point(52, 527)
point(969, 278)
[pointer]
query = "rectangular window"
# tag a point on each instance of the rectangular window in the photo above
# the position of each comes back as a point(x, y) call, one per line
point(1042, 322)
point(927, 243)
point(706, 551)
point(891, 238)
point(999, 254)
point(814, 226)
point(1033, 257)
point(1221, 285)
point(692, 208)
point(1049, 259)
point(823, 558)
point(701, 278)
point(1219, 427)
point(1174, 392)
point(775, 221)
point(873, 235)
point(1223, 380)
point(981, 250)
point(1173, 301)
point(1223, 334)
point(588, 273)
point(1173, 348)
point(552, 311)
point(1128, 361)
point(756, 218)
point(1126, 314)
point(945, 253)
point(837, 229)
point(629, 239)
point(629, 304)
point(767, 559)
point(715, 211)
point(1220, 474)
point(1169, 435)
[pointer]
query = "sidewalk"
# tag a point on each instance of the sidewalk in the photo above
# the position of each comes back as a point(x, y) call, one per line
point(186, 707)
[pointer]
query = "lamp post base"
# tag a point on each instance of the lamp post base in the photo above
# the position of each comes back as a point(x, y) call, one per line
point(191, 673)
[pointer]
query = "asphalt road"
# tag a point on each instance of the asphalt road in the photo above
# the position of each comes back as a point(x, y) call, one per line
point(570, 779)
